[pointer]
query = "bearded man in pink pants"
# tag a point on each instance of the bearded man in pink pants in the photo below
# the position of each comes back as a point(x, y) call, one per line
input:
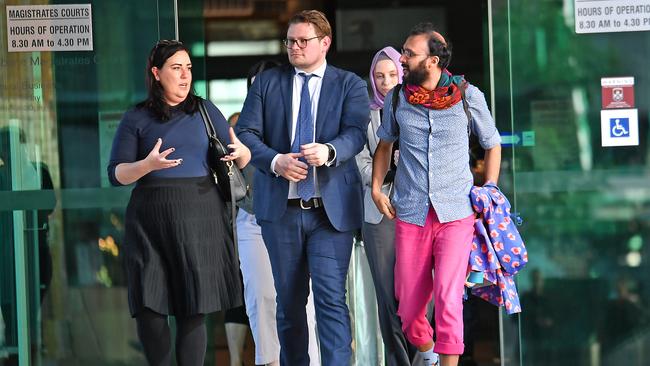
point(435, 111)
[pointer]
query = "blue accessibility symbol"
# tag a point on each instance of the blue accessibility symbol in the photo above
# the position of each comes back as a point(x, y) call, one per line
point(619, 127)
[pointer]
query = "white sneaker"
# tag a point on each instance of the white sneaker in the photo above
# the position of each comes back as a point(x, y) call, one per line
point(436, 360)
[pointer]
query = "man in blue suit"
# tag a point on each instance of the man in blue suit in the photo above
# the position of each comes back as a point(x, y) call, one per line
point(304, 124)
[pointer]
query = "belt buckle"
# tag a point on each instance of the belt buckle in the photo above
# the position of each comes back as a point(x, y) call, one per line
point(303, 206)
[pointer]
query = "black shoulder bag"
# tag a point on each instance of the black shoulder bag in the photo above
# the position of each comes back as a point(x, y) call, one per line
point(229, 179)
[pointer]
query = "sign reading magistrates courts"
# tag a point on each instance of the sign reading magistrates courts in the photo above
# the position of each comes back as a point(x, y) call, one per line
point(604, 16)
point(49, 28)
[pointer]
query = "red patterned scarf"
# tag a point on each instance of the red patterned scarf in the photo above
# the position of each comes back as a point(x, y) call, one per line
point(445, 95)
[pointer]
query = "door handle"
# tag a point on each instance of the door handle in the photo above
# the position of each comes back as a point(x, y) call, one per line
point(42, 228)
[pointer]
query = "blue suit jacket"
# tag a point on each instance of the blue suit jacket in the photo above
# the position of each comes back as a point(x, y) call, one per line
point(342, 119)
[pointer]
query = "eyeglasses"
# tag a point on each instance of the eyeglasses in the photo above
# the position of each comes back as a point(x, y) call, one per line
point(168, 42)
point(163, 43)
point(301, 42)
point(409, 53)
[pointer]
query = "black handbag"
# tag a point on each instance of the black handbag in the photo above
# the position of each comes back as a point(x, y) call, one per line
point(229, 178)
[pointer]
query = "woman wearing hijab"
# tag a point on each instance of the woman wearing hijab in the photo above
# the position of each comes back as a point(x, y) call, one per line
point(378, 231)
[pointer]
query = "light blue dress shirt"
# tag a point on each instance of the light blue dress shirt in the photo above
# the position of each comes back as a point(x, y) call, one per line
point(433, 168)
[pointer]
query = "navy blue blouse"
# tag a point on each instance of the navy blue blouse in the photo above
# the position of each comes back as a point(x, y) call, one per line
point(139, 129)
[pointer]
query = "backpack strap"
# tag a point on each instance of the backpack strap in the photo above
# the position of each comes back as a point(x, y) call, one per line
point(473, 139)
point(463, 86)
point(396, 89)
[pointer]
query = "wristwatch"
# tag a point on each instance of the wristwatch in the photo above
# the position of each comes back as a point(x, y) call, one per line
point(331, 155)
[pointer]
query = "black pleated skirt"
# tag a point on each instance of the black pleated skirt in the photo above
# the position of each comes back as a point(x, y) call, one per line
point(179, 253)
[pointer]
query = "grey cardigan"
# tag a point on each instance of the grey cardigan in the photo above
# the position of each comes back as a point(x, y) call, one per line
point(364, 162)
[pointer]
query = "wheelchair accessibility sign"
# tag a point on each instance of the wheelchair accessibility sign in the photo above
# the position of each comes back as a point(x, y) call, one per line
point(619, 127)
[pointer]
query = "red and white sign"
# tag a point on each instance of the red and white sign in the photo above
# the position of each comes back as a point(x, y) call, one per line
point(617, 92)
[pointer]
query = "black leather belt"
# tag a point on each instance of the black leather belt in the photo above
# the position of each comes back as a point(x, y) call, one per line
point(316, 202)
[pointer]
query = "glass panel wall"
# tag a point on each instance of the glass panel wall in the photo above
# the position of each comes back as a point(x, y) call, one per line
point(62, 288)
point(585, 206)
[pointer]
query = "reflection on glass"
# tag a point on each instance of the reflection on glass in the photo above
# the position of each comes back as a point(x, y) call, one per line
point(585, 206)
point(61, 281)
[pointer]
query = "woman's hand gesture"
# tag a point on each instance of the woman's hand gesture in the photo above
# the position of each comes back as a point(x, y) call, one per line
point(157, 160)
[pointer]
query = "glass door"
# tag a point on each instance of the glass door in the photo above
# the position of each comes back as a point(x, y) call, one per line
point(62, 289)
point(571, 94)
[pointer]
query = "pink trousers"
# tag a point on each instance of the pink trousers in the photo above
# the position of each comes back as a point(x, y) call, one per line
point(443, 248)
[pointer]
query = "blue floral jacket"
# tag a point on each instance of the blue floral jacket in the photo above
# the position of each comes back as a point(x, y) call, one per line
point(497, 248)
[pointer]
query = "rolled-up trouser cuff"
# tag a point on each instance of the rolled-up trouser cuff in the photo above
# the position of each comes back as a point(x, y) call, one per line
point(420, 340)
point(449, 348)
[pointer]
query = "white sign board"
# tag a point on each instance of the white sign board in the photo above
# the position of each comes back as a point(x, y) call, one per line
point(619, 127)
point(604, 16)
point(49, 28)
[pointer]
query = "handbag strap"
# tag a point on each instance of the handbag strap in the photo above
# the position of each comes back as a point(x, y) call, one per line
point(209, 129)
point(207, 121)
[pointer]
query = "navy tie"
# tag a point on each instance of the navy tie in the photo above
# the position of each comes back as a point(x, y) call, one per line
point(305, 135)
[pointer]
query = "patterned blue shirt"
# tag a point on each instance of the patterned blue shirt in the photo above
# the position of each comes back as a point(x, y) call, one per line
point(433, 167)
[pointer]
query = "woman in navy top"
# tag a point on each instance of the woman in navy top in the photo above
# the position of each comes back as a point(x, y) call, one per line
point(179, 255)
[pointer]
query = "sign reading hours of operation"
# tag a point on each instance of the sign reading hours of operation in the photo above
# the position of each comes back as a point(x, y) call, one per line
point(49, 28)
point(604, 16)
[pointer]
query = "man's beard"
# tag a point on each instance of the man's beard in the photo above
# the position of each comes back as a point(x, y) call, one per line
point(416, 76)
